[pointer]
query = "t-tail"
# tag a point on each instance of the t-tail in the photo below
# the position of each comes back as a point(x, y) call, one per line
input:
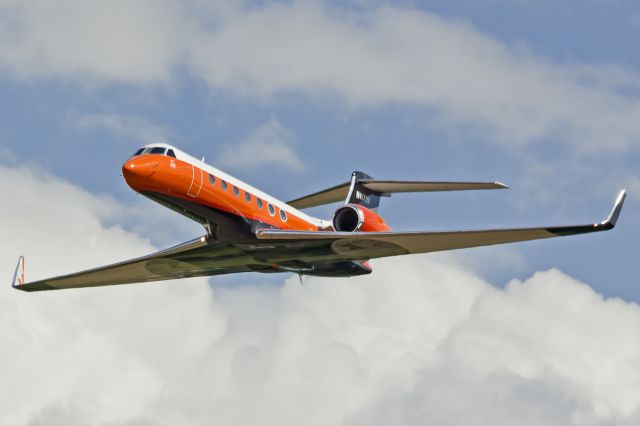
point(363, 190)
point(360, 194)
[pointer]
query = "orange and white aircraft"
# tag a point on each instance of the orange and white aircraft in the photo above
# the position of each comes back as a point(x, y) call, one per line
point(248, 230)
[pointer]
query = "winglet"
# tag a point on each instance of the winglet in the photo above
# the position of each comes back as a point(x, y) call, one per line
point(18, 276)
point(610, 222)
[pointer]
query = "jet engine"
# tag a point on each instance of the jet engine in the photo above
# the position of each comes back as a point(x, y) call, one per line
point(353, 218)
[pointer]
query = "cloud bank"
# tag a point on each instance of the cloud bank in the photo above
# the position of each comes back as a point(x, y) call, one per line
point(421, 341)
point(366, 57)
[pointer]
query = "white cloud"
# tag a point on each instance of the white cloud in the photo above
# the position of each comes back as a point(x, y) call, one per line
point(271, 144)
point(129, 127)
point(396, 55)
point(421, 341)
point(130, 41)
point(370, 56)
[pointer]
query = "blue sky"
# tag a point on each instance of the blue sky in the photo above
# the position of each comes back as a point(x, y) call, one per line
point(541, 95)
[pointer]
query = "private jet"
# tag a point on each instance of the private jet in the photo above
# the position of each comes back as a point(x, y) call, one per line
point(247, 230)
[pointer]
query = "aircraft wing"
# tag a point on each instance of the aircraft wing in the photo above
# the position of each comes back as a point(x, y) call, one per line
point(192, 259)
point(369, 245)
point(201, 257)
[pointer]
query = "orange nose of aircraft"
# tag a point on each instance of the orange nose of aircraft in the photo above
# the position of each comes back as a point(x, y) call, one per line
point(139, 167)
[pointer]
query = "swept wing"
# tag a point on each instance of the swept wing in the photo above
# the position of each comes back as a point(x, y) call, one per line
point(201, 257)
point(369, 245)
point(192, 259)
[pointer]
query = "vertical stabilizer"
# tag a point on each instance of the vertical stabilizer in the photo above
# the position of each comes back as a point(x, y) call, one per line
point(359, 194)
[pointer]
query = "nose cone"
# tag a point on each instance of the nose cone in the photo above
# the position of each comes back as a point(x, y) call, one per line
point(139, 167)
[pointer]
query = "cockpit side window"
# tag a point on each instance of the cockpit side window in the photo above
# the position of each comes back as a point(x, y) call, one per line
point(170, 153)
point(138, 152)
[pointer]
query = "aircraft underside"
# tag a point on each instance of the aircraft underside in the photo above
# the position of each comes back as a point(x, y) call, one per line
point(232, 244)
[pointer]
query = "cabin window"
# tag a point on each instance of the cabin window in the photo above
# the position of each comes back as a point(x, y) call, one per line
point(272, 211)
point(283, 215)
point(170, 153)
point(212, 179)
point(259, 202)
point(224, 185)
point(247, 196)
point(235, 191)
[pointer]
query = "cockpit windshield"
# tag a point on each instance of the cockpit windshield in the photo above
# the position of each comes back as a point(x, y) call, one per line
point(155, 150)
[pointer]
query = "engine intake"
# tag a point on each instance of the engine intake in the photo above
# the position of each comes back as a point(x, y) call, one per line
point(347, 219)
point(353, 218)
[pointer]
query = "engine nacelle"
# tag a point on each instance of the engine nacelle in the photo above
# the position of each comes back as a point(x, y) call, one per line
point(352, 218)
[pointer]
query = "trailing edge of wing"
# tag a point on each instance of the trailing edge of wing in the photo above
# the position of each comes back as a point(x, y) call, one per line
point(384, 187)
point(381, 244)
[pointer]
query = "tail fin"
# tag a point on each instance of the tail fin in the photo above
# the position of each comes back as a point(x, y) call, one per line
point(18, 276)
point(360, 194)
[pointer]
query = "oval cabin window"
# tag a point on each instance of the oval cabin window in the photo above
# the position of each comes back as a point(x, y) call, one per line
point(212, 179)
point(259, 202)
point(247, 196)
point(224, 185)
point(272, 211)
point(235, 191)
point(283, 215)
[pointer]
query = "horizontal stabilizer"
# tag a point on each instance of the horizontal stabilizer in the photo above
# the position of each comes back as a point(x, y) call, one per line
point(387, 187)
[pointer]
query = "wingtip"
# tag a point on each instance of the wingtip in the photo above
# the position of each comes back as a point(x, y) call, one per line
point(615, 211)
point(501, 185)
point(18, 276)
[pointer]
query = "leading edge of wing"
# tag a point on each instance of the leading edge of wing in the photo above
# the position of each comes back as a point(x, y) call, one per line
point(422, 242)
point(113, 274)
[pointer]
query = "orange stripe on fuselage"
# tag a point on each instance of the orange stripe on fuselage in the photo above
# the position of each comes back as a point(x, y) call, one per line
point(175, 177)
